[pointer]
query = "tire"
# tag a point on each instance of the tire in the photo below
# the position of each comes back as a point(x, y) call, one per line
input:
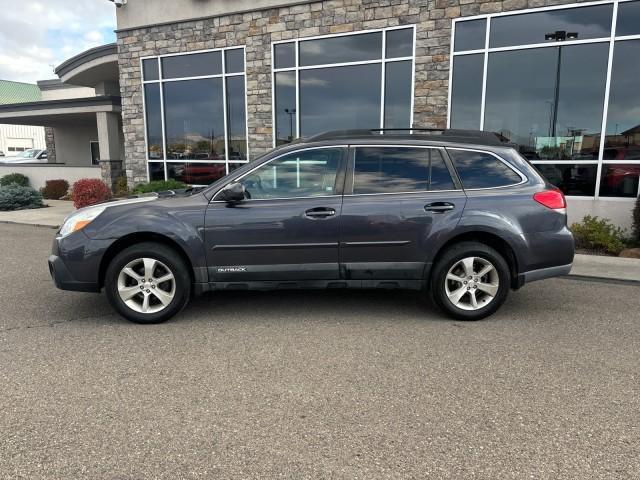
point(167, 291)
point(452, 269)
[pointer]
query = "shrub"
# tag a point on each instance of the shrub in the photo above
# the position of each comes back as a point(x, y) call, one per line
point(55, 189)
point(636, 223)
point(19, 197)
point(121, 188)
point(598, 234)
point(16, 178)
point(89, 191)
point(159, 186)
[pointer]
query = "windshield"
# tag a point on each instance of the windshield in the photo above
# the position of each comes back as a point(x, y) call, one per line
point(28, 154)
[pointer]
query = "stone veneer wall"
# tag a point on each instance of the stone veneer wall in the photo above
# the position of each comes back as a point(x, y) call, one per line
point(256, 30)
point(50, 142)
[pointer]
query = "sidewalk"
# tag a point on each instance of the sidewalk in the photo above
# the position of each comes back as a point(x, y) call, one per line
point(609, 268)
point(51, 216)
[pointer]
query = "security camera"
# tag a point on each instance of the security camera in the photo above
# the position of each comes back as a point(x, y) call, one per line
point(119, 3)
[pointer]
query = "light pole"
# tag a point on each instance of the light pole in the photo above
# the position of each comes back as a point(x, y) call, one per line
point(558, 36)
point(291, 112)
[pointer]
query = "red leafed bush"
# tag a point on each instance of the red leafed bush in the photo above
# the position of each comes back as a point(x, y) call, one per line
point(55, 189)
point(89, 191)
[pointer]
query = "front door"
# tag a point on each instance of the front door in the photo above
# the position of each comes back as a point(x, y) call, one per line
point(287, 228)
point(397, 201)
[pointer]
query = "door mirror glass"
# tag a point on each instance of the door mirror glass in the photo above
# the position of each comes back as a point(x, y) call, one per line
point(232, 193)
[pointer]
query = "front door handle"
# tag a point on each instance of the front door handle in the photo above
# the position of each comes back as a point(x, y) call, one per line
point(319, 212)
point(439, 207)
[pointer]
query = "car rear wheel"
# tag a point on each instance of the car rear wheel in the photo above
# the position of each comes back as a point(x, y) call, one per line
point(470, 281)
point(148, 283)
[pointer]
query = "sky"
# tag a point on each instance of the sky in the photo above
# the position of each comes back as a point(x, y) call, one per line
point(38, 35)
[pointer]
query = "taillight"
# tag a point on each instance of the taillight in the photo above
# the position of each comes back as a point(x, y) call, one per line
point(553, 199)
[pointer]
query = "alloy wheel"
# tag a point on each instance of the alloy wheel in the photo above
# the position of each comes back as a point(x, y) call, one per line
point(472, 283)
point(146, 285)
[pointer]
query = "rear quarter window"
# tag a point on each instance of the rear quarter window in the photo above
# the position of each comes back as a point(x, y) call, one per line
point(482, 170)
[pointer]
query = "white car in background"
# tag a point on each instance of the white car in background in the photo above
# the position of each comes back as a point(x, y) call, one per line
point(33, 155)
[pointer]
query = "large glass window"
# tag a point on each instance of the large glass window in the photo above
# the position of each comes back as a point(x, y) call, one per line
point(399, 170)
point(360, 80)
point(195, 114)
point(309, 173)
point(542, 84)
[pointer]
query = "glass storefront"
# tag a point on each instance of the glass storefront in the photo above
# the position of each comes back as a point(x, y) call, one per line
point(555, 82)
point(195, 115)
point(333, 82)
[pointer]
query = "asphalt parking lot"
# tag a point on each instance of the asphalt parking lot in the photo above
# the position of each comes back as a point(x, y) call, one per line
point(353, 385)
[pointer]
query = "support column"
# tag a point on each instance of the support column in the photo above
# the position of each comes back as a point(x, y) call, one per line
point(110, 152)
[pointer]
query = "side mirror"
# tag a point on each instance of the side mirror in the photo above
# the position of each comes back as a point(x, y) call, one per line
point(232, 193)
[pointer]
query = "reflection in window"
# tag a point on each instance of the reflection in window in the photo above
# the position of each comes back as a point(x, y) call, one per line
point(622, 141)
point(522, 88)
point(150, 69)
point(193, 65)
point(234, 60)
point(620, 180)
point(399, 170)
point(576, 180)
point(196, 173)
point(153, 114)
point(628, 19)
point(470, 35)
point(156, 171)
point(397, 103)
point(482, 170)
point(466, 87)
point(339, 98)
point(399, 43)
point(285, 55)
point(236, 118)
point(194, 119)
point(309, 173)
point(531, 28)
point(285, 105)
point(346, 48)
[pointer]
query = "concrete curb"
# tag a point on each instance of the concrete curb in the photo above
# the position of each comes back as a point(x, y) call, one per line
point(37, 225)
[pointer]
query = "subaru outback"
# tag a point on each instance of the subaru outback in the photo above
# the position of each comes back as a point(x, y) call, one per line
point(457, 215)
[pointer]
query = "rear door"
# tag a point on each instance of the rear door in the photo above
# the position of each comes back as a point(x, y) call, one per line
point(398, 200)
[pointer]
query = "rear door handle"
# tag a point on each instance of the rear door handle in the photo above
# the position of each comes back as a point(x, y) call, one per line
point(319, 212)
point(439, 207)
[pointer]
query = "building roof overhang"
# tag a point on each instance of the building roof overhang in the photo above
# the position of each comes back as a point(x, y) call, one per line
point(91, 67)
point(50, 113)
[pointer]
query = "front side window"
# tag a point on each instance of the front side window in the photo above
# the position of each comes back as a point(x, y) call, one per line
point(308, 173)
point(482, 170)
point(195, 115)
point(362, 80)
point(399, 170)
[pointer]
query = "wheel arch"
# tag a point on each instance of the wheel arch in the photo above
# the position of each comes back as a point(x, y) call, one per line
point(140, 237)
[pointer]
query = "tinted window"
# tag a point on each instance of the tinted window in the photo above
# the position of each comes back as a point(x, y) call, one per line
point(156, 171)
point(340, 98)
point(399, 43)
point(397, 100)
point(470, 35)
point(236, 118)
point(399, 169)
point(154, 121)
point(482, 170)
point(194, 65)
point(628, 18)
point(285, 105)
point(150, 69)
point(309, 173)
point(620, 180)
point(527, 28)
point(234, 60)
point(466, 93)
point(576, 180)
point(285, 54)
point(348, 48)
point(194, 119)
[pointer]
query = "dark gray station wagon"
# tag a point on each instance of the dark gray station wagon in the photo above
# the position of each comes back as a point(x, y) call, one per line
point(457, 214)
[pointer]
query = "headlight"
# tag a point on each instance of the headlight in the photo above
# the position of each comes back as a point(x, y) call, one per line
point(80, 219)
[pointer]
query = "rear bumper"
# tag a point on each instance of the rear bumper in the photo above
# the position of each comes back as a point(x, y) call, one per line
point(542, 273)
point(65, 281)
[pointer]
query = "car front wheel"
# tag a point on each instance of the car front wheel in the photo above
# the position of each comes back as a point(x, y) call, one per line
point(148, 283)
point(470, 281)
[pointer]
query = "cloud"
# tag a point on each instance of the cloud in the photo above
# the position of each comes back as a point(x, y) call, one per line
point(38, 35)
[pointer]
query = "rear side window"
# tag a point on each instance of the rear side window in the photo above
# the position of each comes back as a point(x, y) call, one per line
point(399, 169)
point(482, 170)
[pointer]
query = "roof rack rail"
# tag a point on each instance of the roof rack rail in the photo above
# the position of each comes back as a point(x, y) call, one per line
point(447, 134)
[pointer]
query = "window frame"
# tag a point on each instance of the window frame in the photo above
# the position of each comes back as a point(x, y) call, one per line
point(383, 60)
point(342, 165)
point(350, 177)
point(523, 177)
point(161, 81)
point(611, 40)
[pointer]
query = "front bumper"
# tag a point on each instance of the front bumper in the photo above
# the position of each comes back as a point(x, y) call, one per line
point(64, 280)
